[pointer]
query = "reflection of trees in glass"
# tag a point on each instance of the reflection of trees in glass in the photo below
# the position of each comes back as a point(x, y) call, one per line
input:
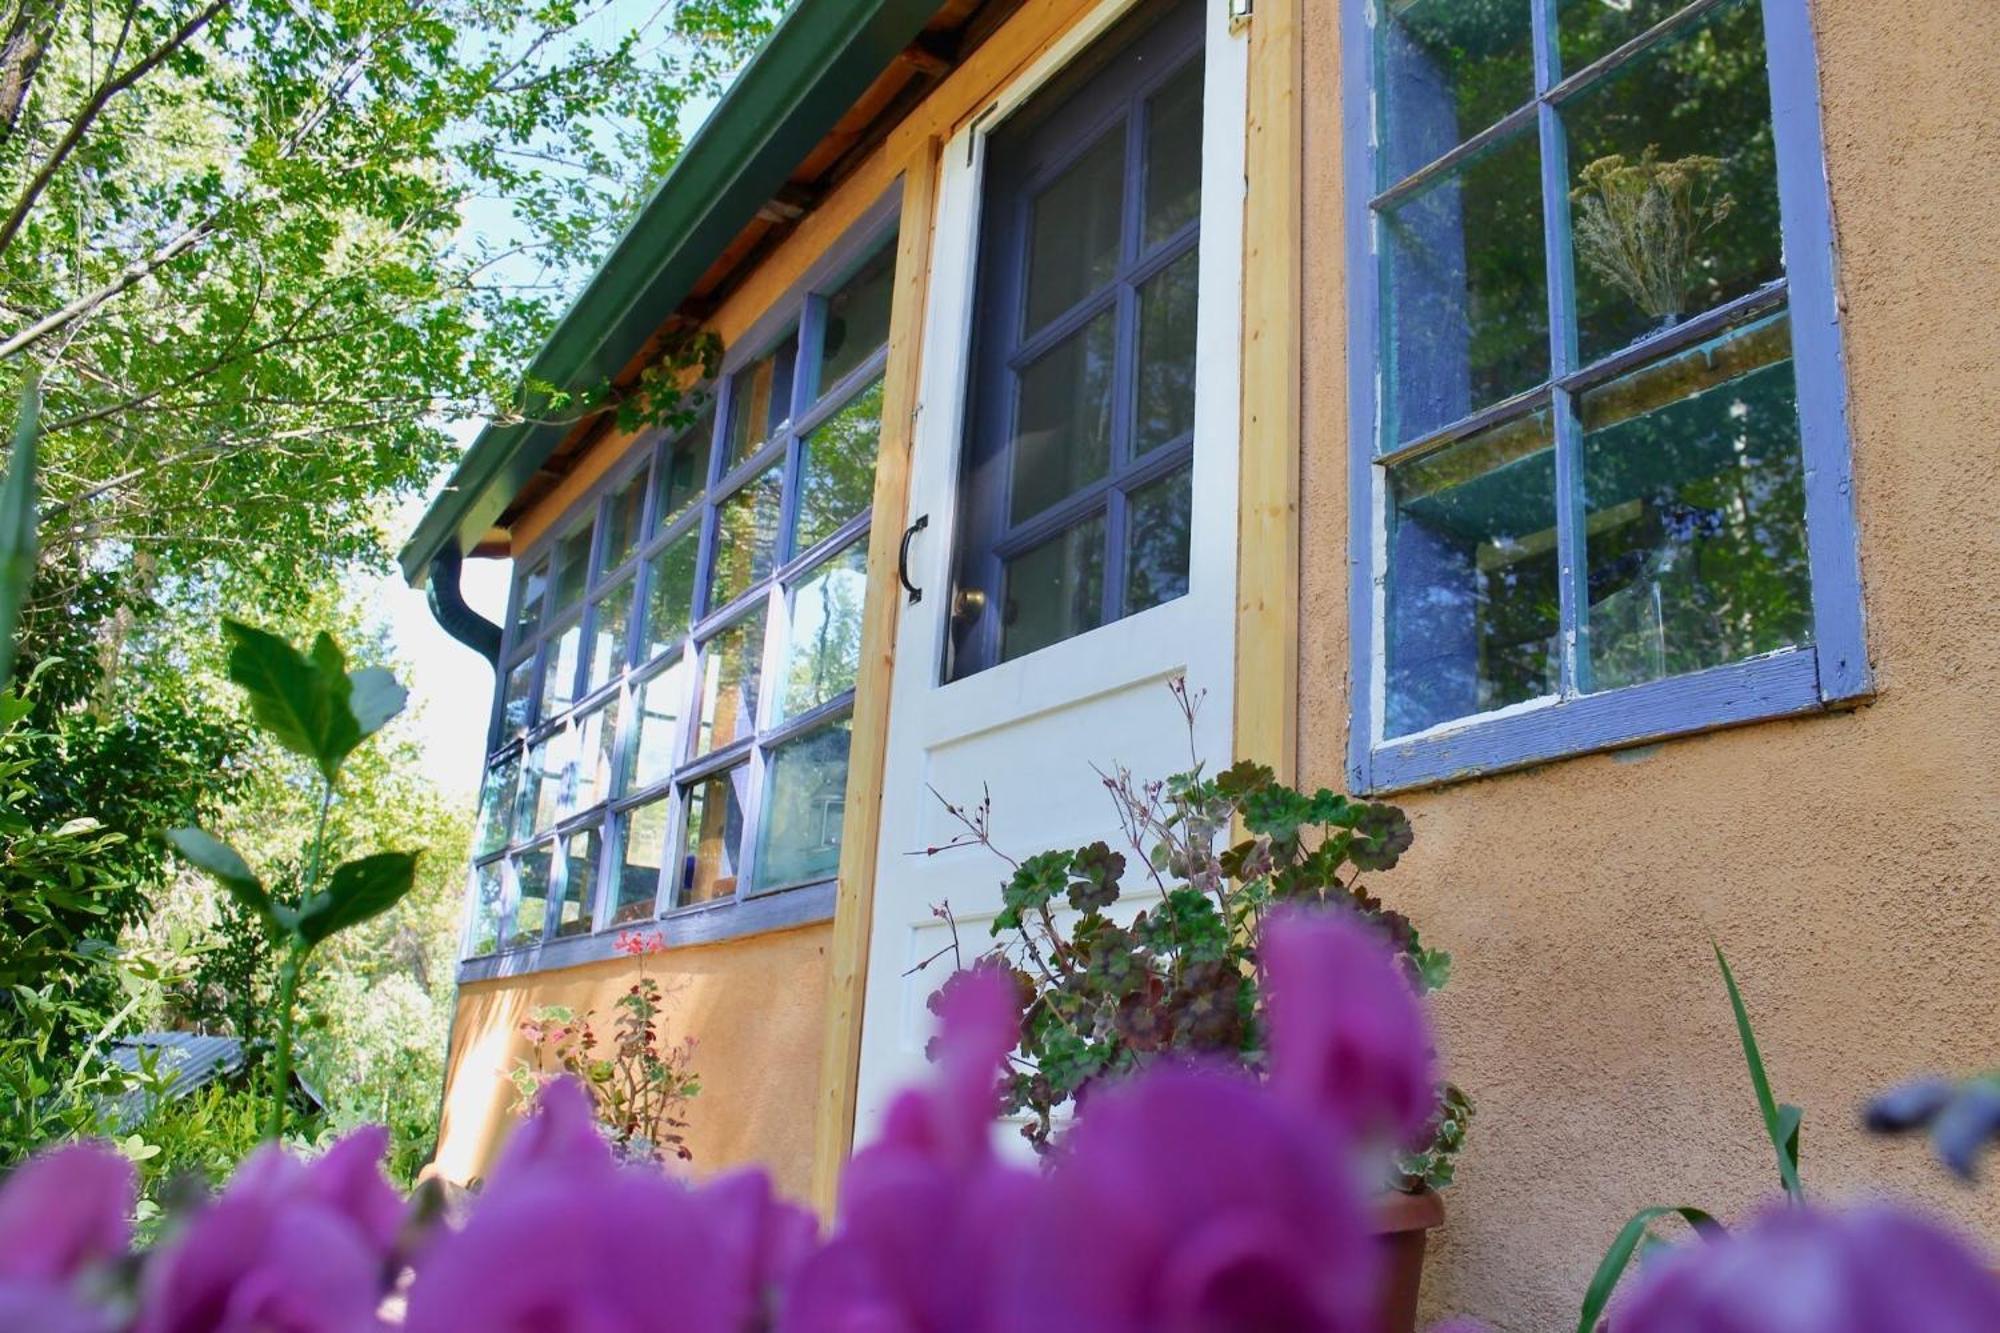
point(1638, 223)
point(746, 537)
point(837, 479)
point(1156, 568)
point(806, 795)
point(825, 649)
point(1167, 309)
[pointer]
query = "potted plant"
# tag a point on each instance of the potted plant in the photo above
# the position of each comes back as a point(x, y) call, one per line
point(1124, 959)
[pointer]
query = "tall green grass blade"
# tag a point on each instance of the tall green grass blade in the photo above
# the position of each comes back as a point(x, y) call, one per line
point(1616, 1259)
point(1783, 1130)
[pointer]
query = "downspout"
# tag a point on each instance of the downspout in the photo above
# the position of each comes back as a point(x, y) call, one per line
point(448, 607)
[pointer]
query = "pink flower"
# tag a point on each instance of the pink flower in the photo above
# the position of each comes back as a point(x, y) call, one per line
point(1191, 1200)
point(293, 1246)
point(638, 943)
point(1349, 1039)
point(61, 1214)
point(1875, 1269)
point(561, 1136)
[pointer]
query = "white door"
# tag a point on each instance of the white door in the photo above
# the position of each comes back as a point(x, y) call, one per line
point(1029, 728)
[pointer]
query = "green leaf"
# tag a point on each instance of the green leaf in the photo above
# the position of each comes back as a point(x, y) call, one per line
point(301, 701)
point(375, 697)
point(359, 889)
point(1619, 1256)
point(210, 853)
point(1784, 1140)
point(17, 522)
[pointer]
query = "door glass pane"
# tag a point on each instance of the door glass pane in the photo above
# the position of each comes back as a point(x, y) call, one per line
point(623, 516)
point(670, 593)
point(528, 612)
point(1465, 299)
point(1054, 591)
point(759, 400)
point(682, 475)
point(572, 568)
point(531, 872)
point(837, 470)
point(1449, 69)
point(1173, 154)
point(662, 701)
point(857, 317)
point(497, 794)
point(1156, 556)
point(559, 674)
point(746, 538)
point(730, 663)
point(1473, 619)
point(1166, 354)
point(610, 628)
point(805, 795)
point(1073, 233)
point(1696, 536)
point(597, 735)
point(517, 704)
point(713, 840)
point(1674, 198)
point(642, 840)
point(1062, 418)
point(580, 856)
point(823, 649)
point(488, 896)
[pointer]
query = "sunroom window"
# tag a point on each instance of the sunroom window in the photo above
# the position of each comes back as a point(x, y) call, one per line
point(1591, 426)
point(671, 730)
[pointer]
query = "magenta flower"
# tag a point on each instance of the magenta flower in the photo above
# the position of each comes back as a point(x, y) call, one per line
point(61, 1214)
point(1875, 1269)
point(293, 1246)
point(1349, 1039)
point(561, 1136)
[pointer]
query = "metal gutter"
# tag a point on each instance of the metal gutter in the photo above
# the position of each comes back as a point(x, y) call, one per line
point(816, 63)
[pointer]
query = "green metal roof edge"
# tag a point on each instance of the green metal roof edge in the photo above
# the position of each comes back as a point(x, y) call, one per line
point(818, 60)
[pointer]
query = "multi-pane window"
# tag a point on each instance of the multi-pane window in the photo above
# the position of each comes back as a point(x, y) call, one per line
point(676, 691)
point(1588, 470)
point(1076, 495)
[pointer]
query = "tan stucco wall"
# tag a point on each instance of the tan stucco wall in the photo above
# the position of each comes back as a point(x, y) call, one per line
point(1846, 862)
point(756, 1006)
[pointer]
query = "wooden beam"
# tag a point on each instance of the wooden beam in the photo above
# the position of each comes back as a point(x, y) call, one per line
point(854, 904)
point(1267, 563)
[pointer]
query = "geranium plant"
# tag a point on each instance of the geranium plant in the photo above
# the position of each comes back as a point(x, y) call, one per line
point(639, 1085)
point(1107, 989)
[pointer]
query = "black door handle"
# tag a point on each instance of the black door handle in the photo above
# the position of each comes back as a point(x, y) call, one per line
point(903, 558)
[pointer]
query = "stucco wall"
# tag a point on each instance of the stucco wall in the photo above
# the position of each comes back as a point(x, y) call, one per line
point(756, 1006)
point(1846, 862)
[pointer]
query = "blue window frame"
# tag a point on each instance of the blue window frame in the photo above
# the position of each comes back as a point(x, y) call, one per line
point(677, 683)
point(1076, 486)
point(1600, 480)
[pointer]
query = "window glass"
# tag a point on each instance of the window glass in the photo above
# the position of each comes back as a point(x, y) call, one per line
point(553, 765)
point(731, 663)
point(805, 795)
point(559, 672)
point(517, 699)
point(597, 737)
point(1464, 293)
point(1166, 354)
point(488, 898)
point(528, 611)
point(642, 840)
point(1473, 616)
point(525, 804)
point(1173, 154)
point(580, 855)
point(1156, 561)
point(1696, 536)
point(531, 914)
point(1674, 182)
point(837, 473)
point(654, 749)
point(857, 317)
point(1054, 591)
point(611, 625)
point(713, 839)
point(623, 516)
point(682, 474)
point(670, 593)
point(572, 568)
point(497, 794)
point(759, 399)
point(746, 537)
point(1074, 230)
point(1448, 70)
point(1062, 418)
point(1589, 30)
point(823, 647)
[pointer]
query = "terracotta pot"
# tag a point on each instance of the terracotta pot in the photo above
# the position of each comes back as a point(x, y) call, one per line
point(1402, 1225)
